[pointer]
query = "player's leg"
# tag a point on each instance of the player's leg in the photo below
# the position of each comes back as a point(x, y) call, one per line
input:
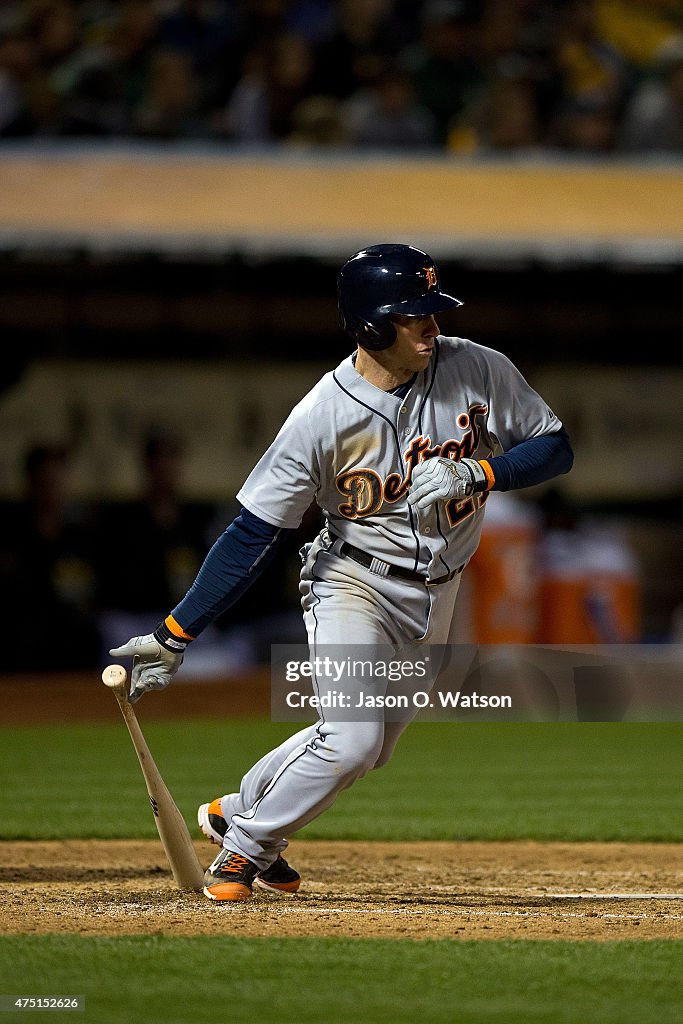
point(369, 625)
point(307, 784)
point(316, 765)
point(259, 777)
point(340, 607)
point(214, 817)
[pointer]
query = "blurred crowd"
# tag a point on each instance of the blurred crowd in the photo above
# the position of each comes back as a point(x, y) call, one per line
point(78, 578)
point(469, 77)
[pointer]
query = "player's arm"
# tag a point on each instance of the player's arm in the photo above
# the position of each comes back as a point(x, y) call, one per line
point(274, 499)
point(528, 463)
point(235, 561)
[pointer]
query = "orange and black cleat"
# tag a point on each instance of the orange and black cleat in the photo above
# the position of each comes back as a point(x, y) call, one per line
point(230, 877)
point(211, 821)
point(279, 877)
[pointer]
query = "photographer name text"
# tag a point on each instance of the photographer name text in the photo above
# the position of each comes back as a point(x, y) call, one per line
point(419, 699)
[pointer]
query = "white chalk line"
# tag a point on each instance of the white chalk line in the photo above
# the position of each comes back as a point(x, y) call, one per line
point(278, 908)
point(481, 913)
point(611, 896)
point(465, 913)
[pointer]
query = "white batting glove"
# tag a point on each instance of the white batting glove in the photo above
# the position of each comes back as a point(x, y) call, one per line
point(153, 664)
point(442, 479)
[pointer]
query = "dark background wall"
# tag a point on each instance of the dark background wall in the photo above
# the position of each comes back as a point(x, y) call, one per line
point(145, 305)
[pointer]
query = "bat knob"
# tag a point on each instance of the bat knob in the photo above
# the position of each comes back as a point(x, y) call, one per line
point(115, 677)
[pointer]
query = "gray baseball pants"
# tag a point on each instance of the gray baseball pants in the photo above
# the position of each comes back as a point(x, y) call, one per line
point(343, 603)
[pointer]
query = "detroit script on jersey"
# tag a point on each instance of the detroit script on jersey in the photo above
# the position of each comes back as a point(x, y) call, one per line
point(367, 491)
point(352, 448)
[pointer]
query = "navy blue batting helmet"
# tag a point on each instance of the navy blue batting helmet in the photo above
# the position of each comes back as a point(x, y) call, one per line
point(386, 279)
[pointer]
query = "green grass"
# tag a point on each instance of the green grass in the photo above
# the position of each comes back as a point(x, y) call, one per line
point(474, 780)
point(344, 981)
point(575, 781)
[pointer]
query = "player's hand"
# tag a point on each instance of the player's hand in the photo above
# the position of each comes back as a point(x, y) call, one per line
point(442, 479)
point(153, 665)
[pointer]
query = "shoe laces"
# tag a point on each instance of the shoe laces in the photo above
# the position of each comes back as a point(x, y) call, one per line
point(233, 864)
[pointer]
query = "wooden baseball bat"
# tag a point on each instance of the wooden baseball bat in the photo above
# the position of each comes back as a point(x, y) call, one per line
point(173, 832)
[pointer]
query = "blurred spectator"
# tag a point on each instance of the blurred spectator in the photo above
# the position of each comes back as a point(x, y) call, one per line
point(169, 108)
point(503, 116)
point(313, 20)
point(514, 121)
point(639, 29)
point(518, 42)
point(196, 63)
point(149, 550)
point(593, 79)
point(290, 74)
point(388, 116)
point(514, 27)
point(276, 80)
point(47, 574)
point(17, 71)
point(654, 120)
point(246, 117)
point(592, 70)
point(317, 122)
point(115, 76)
point(586, 126)
point(199, 29)
point(513, 104)
point(352, 58)
point(444, 66)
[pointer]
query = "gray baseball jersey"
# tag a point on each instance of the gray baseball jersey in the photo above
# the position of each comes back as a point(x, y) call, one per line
point(353, 447)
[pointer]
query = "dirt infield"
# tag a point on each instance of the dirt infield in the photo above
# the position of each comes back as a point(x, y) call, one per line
point(391, 890)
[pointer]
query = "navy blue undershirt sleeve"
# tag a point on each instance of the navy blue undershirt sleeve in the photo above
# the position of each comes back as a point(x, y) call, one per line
point(238, 557)
point(533, 461)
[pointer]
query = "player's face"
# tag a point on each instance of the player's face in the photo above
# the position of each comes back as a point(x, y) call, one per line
point(414, 343)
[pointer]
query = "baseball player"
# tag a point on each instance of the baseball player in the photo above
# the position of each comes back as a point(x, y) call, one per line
point(400, 446)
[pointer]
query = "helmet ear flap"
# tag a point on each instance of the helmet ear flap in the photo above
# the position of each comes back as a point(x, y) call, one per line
point(376, 337)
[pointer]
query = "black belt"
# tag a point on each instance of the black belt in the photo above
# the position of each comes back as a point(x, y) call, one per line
point(383, 568)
